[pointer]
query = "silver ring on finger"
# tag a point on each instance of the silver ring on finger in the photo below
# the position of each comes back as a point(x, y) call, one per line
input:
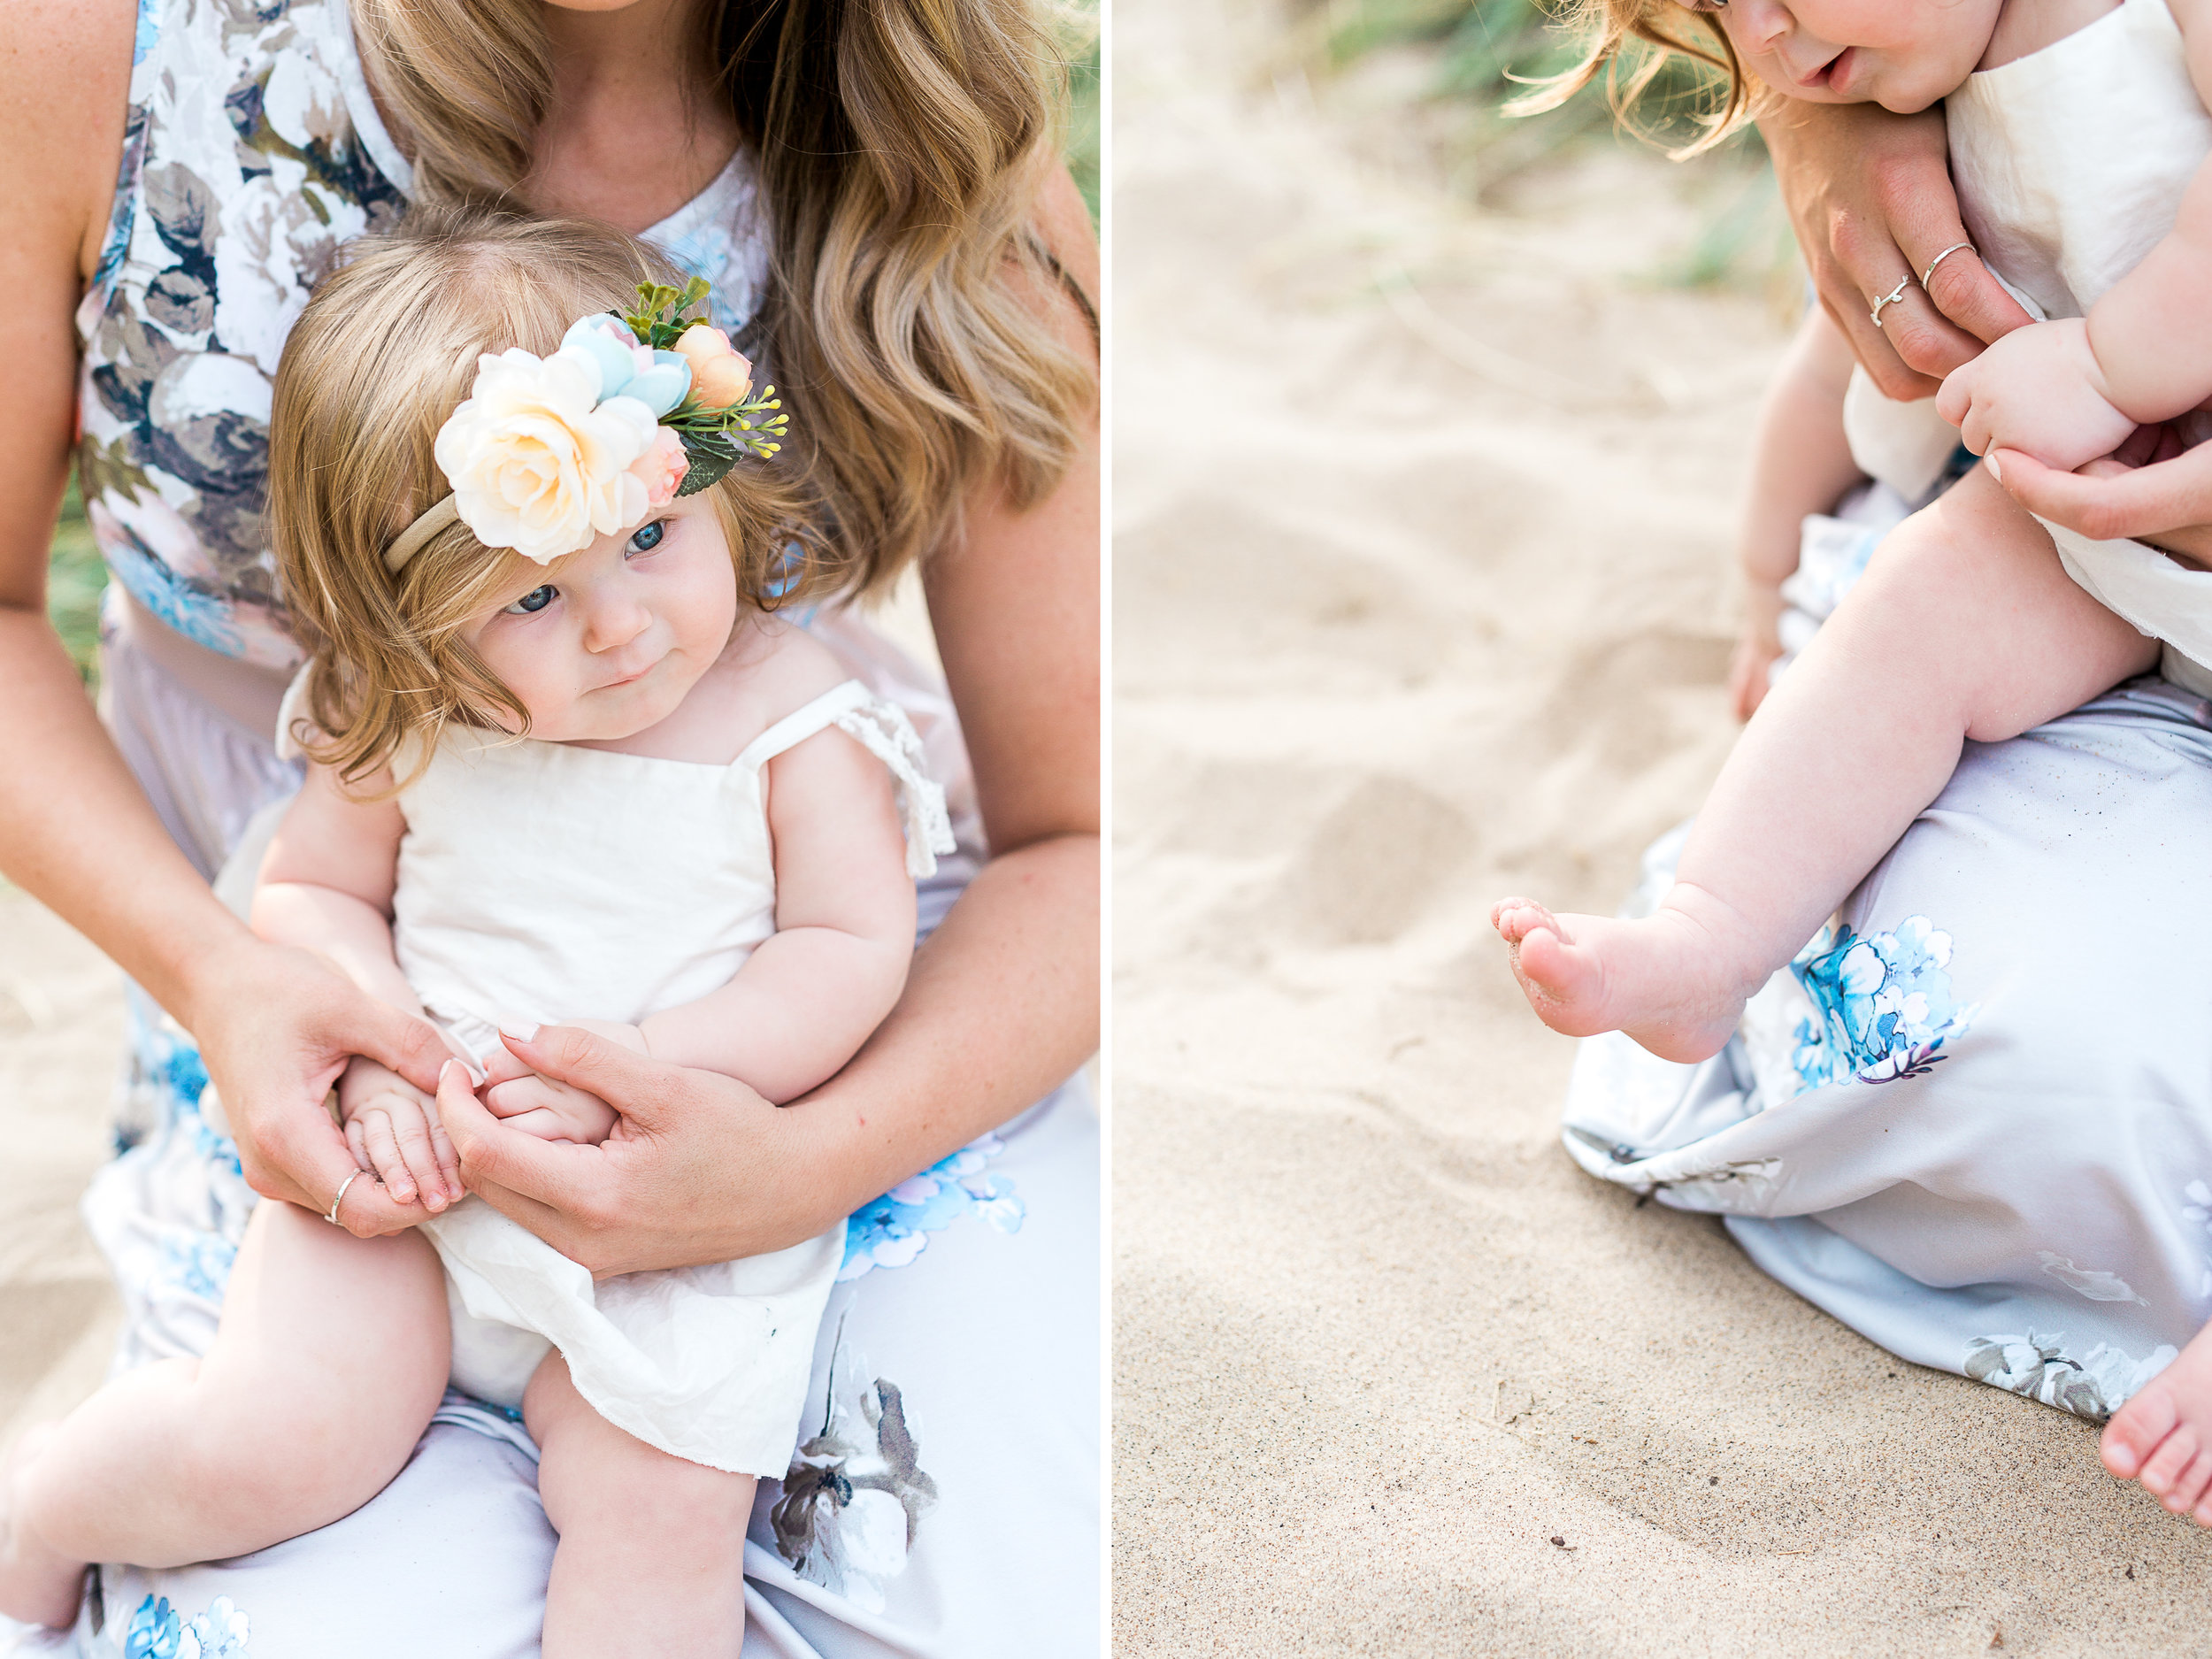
point(1890, 298)
point(1928, 275)
point(332, 1217)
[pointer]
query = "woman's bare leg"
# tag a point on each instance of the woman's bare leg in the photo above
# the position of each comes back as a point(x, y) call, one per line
point(652, 1552)
point(1965, 626)
point(330, 1358)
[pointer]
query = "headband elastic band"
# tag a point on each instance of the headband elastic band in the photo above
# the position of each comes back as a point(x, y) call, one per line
point(413, 538)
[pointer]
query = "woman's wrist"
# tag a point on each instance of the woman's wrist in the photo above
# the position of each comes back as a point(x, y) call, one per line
point(206, 966)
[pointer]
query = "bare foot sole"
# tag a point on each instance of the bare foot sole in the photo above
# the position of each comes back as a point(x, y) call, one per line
point(36, 1585)
point(2162, 1438)
point(1673, 982)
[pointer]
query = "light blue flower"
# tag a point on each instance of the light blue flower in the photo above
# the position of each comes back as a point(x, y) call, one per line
point(1884, 1002)
point(664, 386)
point(198, 1263)
point(594, 337)
point(154, 1632)
point(221, 1631)
point(896, 1228)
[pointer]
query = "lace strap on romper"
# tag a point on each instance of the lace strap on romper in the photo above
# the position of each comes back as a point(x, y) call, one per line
point(884, 731)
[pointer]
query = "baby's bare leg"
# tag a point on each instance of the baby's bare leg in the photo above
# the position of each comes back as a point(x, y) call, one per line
point(330, 1358)
point(652, 1554)
point(1964, 626)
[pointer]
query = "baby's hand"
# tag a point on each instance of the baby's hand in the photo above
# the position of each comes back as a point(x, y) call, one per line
point(549, 1109)
point(394, 1130)
point(2038, 390)
point(1750, 670)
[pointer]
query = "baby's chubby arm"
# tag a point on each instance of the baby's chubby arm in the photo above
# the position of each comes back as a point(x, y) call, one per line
point(326, 886)
point(2067, 392)
point(807, 999)
point(1801, 464)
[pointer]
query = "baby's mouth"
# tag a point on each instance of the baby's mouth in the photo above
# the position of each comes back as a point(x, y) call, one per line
point(1828, 75)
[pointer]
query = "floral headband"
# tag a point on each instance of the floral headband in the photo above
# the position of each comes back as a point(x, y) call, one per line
point(548, 454)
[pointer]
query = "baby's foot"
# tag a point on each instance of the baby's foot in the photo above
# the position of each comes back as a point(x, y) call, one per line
point(2162, 1437)
point(1676, 980)
point(36, 1585)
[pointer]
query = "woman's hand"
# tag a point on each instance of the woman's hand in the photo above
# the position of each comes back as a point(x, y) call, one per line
point(276, 1027)
point(2151, 489)
point(1870, 196)
point(700, 1168)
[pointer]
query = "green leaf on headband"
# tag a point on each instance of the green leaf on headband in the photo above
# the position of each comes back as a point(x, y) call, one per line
point(711, 457)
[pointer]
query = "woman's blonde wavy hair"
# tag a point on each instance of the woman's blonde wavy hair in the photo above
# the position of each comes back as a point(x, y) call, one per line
point(384, 352)
point(1633, 43)
point(902, 145)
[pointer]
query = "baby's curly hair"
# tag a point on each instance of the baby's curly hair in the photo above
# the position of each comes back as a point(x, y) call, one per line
point(385, 351)
point(1634, 43)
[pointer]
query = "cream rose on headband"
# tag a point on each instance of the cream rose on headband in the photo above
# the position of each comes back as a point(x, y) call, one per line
point(633, 410)
point(538, 462)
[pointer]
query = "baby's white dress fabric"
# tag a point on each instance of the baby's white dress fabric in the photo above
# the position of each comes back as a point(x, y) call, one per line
point(2070, 163)
point(1965, 1121)
point(539, 882)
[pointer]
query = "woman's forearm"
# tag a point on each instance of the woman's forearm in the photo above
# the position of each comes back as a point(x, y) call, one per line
point(77, 833)
point(1001, 1006)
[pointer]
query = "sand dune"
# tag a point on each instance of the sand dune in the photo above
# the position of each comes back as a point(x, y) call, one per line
point(1419, 600)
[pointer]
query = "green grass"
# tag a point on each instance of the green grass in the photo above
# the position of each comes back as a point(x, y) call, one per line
point(1482, 54)
point(1083, 123)
point(75, 578)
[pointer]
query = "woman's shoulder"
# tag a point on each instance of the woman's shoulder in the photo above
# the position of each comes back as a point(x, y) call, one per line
point(63, 151)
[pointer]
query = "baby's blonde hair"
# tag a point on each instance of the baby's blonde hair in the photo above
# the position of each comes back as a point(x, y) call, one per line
point(1633, 43)
point(383, 353)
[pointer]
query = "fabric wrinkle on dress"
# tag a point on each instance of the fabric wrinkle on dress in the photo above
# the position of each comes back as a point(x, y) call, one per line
point(1964, 1121)
point(962, 1328)
point(2070, 163)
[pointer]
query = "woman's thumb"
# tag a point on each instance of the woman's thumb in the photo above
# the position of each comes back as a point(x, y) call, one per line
point(408, 1044)
point(631, 1083)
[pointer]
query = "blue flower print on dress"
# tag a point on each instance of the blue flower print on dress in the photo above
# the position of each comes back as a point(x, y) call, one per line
point(1883, 1003)
point(157, 1630)
point(197, 1264)
point(895, 1229)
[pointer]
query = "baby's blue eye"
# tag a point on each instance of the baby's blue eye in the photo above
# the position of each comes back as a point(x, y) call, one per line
point(535, 601)
point(649, 537)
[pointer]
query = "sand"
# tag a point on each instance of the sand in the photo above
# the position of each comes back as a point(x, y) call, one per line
point(1419, 600)
point(61, 1034)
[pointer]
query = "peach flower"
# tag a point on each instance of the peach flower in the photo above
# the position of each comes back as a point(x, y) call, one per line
point(720, 374)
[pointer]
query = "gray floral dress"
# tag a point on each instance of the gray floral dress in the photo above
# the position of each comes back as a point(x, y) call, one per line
point(1973, 1118)
point(961, 1344)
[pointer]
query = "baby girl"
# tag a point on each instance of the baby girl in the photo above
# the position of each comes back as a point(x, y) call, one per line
point(2078, 131)
point(563, 763)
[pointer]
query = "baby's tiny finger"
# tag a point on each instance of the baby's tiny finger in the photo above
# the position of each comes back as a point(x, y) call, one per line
point(355, 1144)
point(524, 1093)
point(391, 1169)
point(413, 1135)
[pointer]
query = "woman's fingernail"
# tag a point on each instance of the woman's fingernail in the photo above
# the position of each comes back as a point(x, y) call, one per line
point(520, 1031)
point(1995, 472)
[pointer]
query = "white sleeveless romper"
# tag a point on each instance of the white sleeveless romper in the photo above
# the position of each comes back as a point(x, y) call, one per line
point(541, 880)
point(2070, 163)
